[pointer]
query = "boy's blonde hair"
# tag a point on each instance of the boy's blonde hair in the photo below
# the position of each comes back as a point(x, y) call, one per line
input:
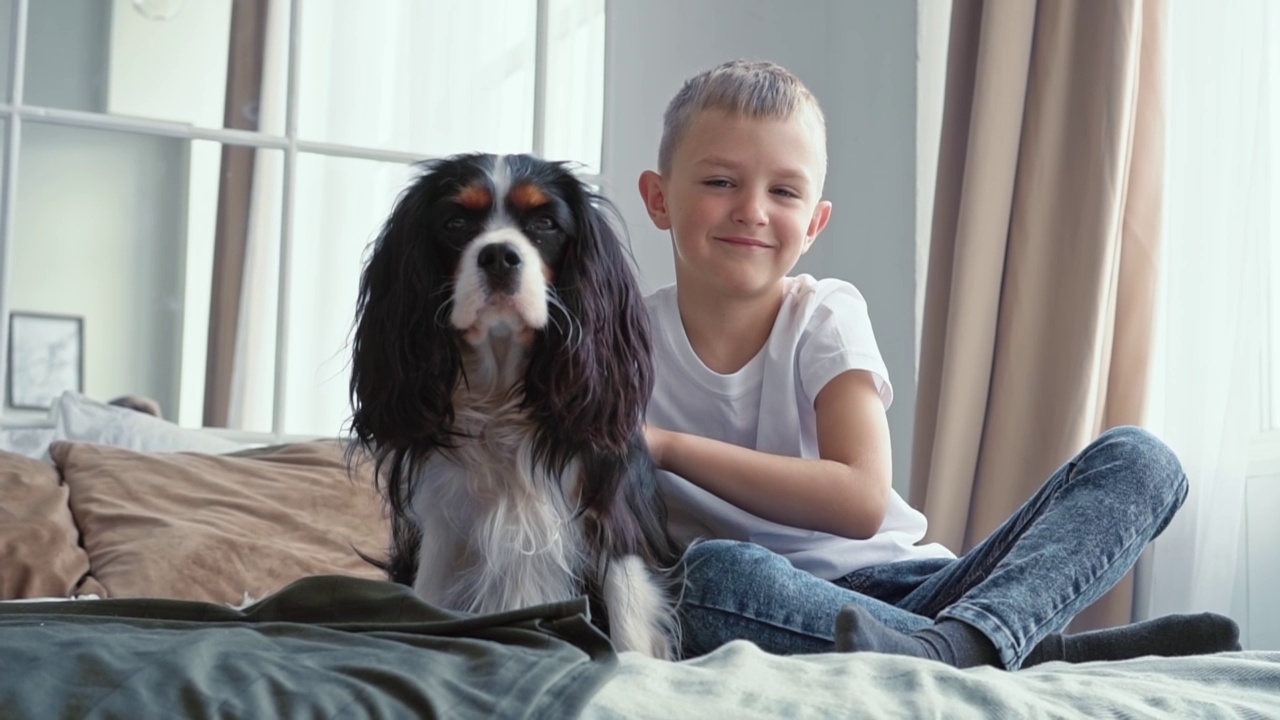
point(757, 90)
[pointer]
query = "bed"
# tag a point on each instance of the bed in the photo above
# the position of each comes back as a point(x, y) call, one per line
point(147, 570)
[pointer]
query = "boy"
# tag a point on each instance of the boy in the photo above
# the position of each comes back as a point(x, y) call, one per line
point(769, 414)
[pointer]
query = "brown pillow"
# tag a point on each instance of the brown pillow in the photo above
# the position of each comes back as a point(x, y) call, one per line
point(39, 542)
point(214, 527)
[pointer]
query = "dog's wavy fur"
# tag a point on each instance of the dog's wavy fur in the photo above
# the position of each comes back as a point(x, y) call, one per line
point(500, 369)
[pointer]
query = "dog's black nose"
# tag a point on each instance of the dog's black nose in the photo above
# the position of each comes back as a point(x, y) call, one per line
point(499, 260)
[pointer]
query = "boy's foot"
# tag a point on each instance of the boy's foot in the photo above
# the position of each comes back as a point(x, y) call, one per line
point(950, 641)
point(1167, 636)
point(962, 645)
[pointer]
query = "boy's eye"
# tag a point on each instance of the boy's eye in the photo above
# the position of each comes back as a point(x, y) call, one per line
point(787, 192)
point(717, 182)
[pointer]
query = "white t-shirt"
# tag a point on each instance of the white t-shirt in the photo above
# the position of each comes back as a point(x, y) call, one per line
point(822, 330)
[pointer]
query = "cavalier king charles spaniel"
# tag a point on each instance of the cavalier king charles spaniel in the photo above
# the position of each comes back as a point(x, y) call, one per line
point(501, 367)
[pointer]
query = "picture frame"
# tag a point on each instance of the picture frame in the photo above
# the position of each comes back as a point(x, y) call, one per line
point(45, 358)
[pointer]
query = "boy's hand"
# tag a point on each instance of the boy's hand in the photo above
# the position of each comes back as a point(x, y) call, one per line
point(845, 491)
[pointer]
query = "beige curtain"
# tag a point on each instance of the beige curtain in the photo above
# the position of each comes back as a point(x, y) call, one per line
point(1040, 291)
point(235, 191)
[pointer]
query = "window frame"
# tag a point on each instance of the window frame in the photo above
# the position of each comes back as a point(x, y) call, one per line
point(16, 113)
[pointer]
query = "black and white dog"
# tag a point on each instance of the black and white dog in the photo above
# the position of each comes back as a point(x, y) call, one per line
point(501, 367)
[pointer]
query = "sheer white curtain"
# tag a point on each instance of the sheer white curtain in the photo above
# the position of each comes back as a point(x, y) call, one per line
point(1223, 183)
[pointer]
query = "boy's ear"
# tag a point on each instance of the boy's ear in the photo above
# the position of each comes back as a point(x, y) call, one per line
point(821, 216)
point(655, 199)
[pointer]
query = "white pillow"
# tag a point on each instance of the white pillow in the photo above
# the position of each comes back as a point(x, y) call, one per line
point(32, 442)
point(79, 419)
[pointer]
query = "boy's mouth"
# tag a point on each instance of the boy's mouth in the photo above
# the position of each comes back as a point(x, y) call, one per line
point(744, 242)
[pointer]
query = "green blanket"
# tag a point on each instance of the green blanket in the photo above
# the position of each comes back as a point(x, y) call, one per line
point(324, 647)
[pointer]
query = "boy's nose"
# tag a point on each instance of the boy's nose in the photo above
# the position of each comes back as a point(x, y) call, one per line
point(750, 211)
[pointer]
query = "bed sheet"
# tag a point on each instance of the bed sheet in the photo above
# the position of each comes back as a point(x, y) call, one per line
point(741, 682)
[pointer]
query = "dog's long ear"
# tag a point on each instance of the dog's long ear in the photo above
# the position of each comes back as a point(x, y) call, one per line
point(405, 362)
point(591, 372)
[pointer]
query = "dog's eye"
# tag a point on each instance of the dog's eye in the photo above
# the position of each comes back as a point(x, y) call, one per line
point(540, 224)
point(456, 223)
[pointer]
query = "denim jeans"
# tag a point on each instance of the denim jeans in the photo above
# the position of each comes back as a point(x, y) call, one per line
point(1062, 550)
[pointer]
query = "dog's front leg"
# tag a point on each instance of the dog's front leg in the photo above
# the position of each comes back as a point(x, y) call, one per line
point(435, 568)
point(438, 553)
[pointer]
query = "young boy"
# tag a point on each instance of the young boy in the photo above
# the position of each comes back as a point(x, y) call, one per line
point(769, 414)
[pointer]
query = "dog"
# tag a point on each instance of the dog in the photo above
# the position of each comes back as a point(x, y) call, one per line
point(500, 371)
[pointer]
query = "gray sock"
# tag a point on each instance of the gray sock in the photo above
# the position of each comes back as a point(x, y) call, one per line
point(950, 641)
point(1168, 636)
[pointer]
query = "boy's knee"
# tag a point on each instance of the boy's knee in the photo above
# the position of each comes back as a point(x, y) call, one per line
point(712, 564)
point(717, 556)
point(1147, 460)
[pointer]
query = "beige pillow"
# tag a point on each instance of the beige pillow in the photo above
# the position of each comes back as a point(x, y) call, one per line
point(214, 527)
point(40, 554)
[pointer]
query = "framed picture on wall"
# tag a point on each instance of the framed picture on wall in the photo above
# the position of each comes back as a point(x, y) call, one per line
point(46, 357)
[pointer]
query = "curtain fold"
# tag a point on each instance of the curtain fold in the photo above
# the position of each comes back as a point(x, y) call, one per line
point(1042, 261)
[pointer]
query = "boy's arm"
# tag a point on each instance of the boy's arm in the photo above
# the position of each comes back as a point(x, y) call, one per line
point(845, 493)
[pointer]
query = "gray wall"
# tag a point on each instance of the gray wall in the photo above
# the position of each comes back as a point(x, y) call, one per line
point(859, 57)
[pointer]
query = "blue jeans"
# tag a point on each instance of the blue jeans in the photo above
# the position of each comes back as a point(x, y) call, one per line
point(1061, 551)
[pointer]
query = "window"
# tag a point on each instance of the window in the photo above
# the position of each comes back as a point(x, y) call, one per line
point(198, 179)
point(1218, 337)
point(1219, 314)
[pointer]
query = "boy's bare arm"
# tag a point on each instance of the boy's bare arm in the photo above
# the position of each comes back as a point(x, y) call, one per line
point(846, 492)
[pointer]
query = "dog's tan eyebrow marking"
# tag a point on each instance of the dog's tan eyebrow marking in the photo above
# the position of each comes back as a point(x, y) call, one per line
point(527, 196)
point(474, 197)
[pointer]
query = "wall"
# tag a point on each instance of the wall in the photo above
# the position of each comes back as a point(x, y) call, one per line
point(871, 240)
point(859, 57)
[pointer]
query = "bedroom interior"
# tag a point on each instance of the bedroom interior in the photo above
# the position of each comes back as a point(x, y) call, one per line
point(189, 187)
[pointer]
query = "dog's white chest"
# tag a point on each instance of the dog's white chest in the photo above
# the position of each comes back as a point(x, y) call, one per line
point(496, 535)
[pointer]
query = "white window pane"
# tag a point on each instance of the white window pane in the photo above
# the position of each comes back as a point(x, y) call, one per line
point(1218, 191)
point(236, 197)
point(160, 59)
point(340, 205)
point(575, 82)
point(1272, 280)
point(1271, 77)
point(1269, 173)
point(425, 76)
point(106, 262)
point(134, 259)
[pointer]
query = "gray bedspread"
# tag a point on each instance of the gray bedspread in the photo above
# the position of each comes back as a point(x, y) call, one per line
point(741, 682)
point(324, 647)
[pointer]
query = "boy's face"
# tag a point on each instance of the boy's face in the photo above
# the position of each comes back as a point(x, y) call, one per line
point(742, 200)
